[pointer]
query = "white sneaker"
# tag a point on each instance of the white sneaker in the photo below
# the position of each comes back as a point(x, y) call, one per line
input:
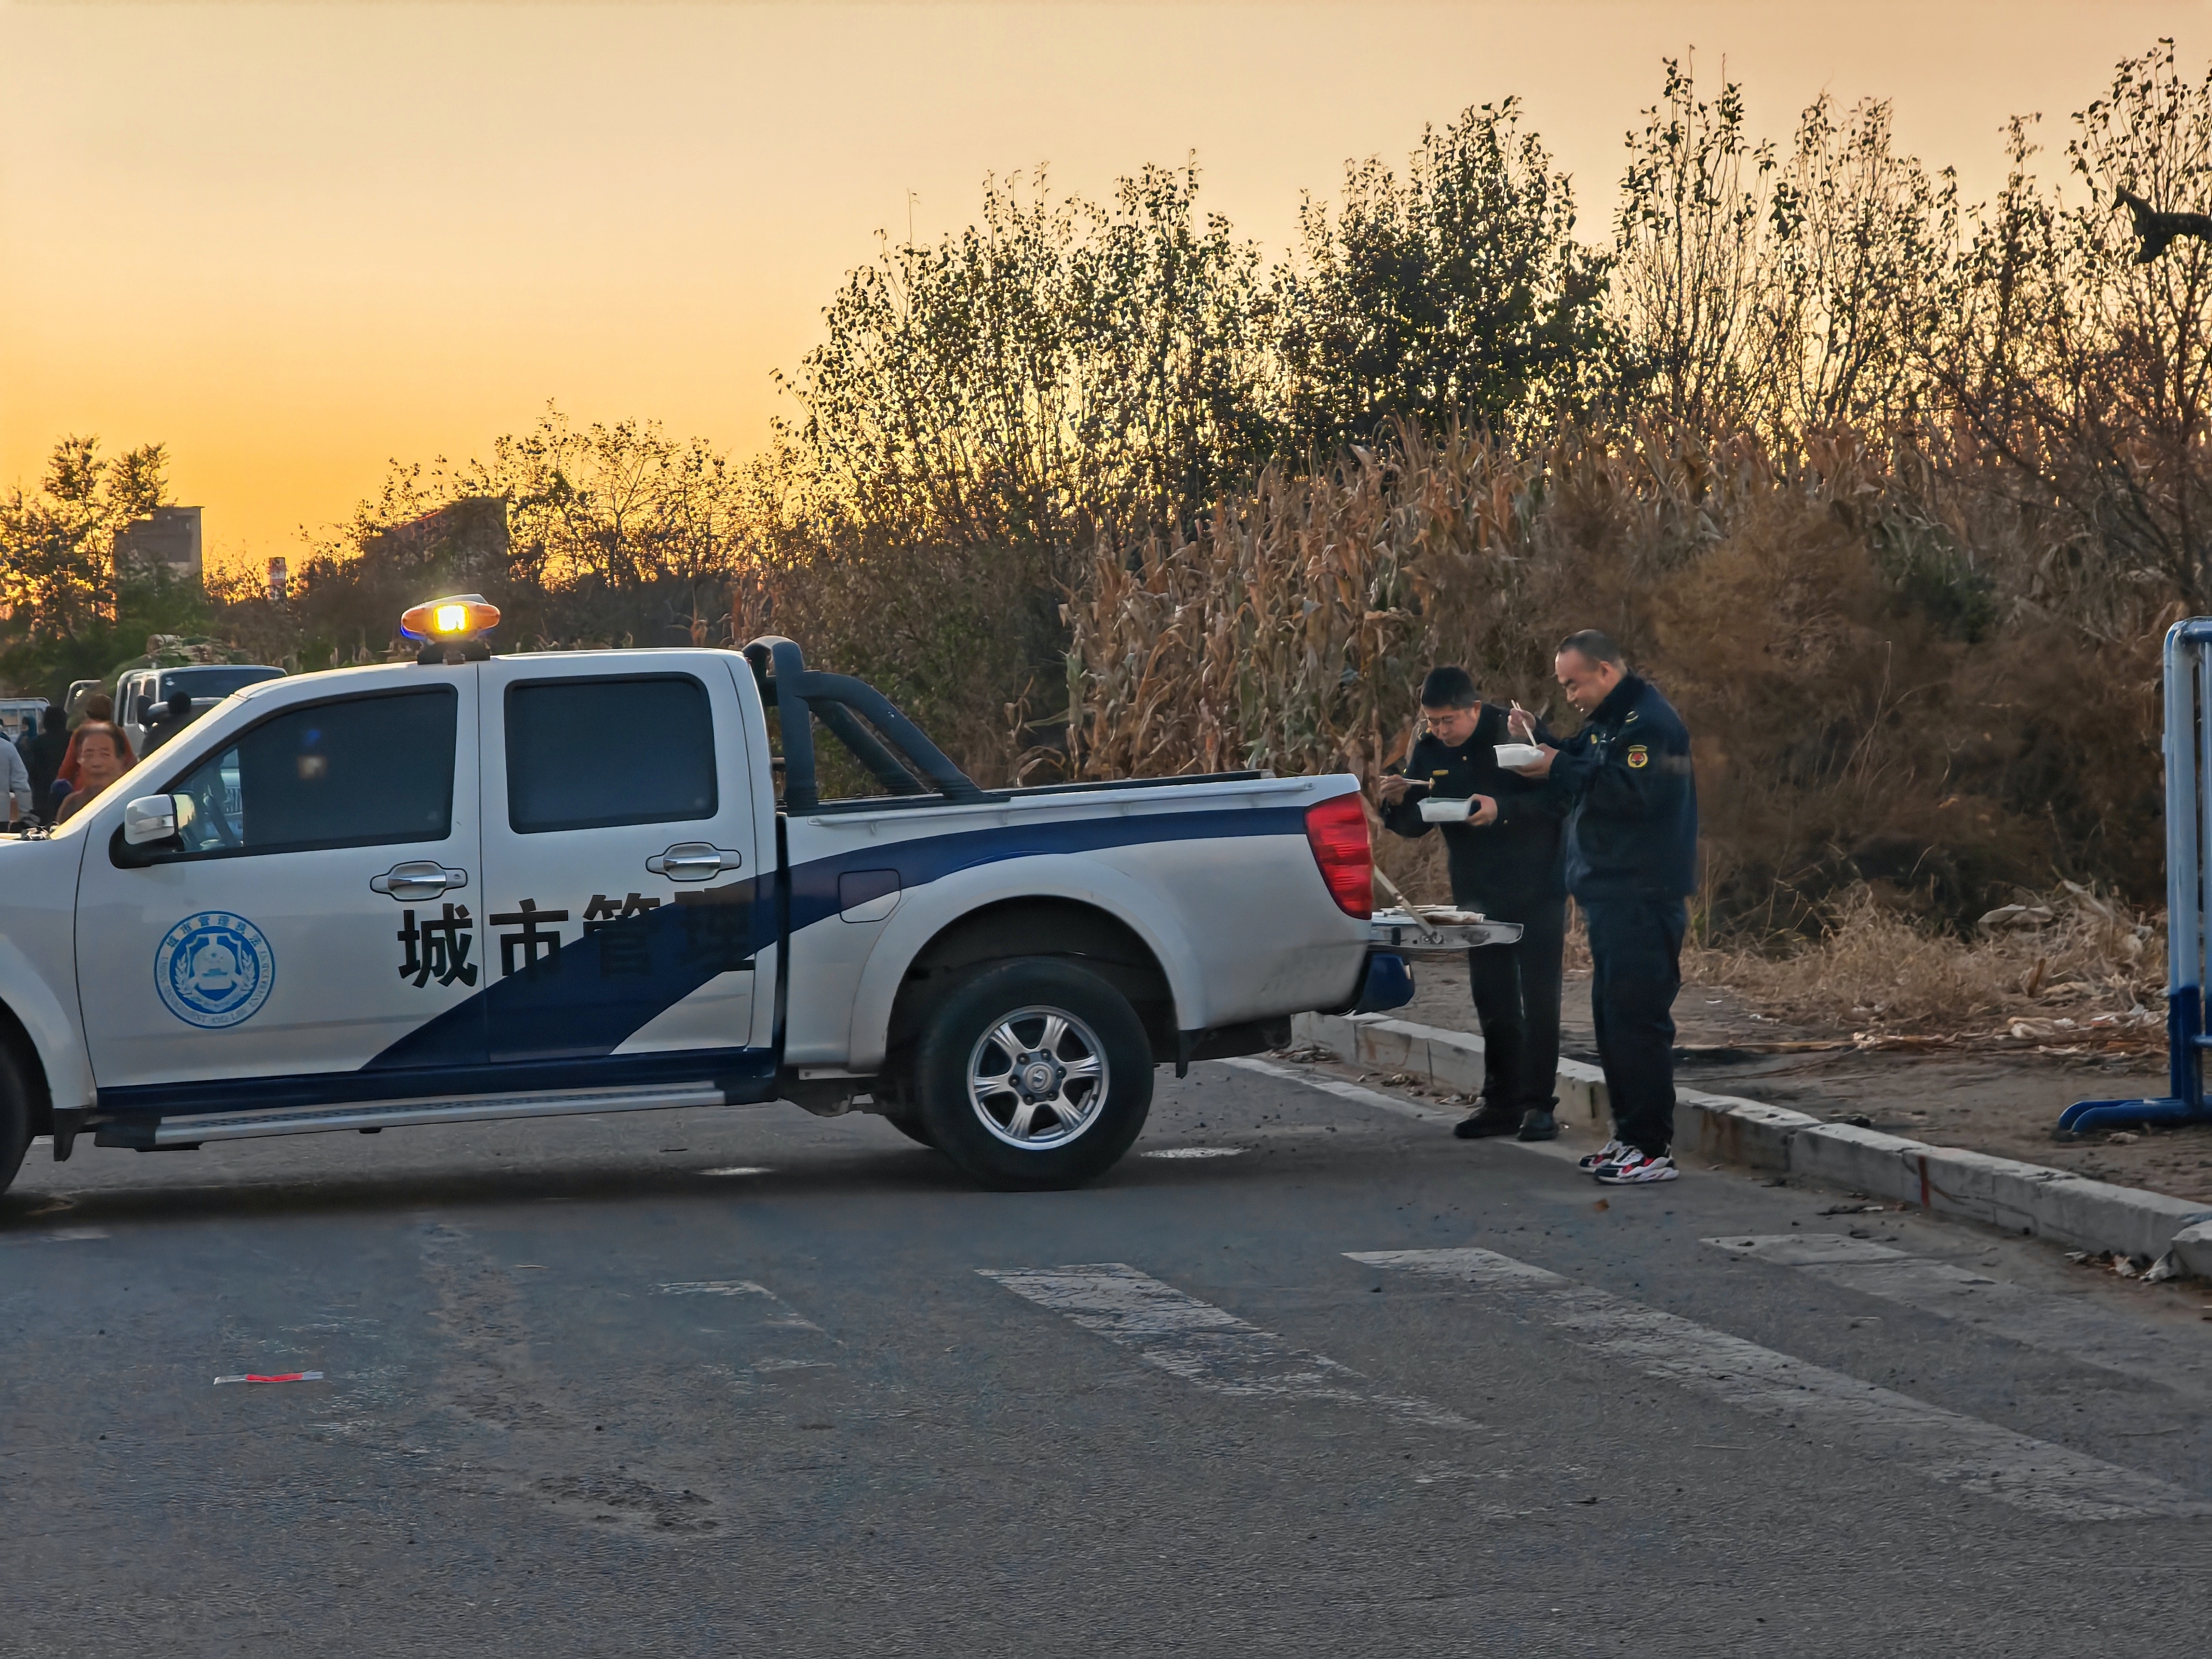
point(1634, 1168)
point(1605, 1154)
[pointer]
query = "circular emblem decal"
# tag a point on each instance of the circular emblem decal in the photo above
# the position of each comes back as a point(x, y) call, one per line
point(214, 970)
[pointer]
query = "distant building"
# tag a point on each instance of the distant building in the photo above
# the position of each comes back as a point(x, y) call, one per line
point(280, 579)
point(470, 534)
point(169, 541)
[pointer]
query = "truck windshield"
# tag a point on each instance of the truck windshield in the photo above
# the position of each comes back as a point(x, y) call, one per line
point(212, 681)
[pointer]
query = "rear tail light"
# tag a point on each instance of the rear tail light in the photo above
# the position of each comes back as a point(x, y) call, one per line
point(1337, 830)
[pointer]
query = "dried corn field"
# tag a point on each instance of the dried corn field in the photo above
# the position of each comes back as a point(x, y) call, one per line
point(1292, 632)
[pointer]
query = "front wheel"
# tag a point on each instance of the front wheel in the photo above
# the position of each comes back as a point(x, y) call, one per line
point(1035, 1074)
point(15, 1118)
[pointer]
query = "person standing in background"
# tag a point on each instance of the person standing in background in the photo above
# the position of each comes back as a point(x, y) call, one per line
point(43, 758)
point(1632, 857)
point(98, 709)
point(26, 746)
point(22, 801)
point(171, 718)
point(1505, 863)
point(100, 756)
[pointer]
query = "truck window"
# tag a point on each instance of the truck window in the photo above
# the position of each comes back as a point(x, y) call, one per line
point(362, 772)
point(588, 754)
point(208, 680)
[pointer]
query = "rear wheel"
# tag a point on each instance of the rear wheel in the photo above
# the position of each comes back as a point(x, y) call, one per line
point(15, 1118)
point(1035, 1074)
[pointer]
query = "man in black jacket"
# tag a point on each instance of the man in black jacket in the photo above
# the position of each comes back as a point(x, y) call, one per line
point(44, 755)
point(1504, 863)
point(1631, 847)
point(169, 719)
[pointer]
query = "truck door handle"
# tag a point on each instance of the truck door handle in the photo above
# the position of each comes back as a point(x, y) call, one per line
point(694, 861)
point(417, 879)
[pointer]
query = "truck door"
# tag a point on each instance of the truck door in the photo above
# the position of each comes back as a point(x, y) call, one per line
point(623, 914)
point(320, 907)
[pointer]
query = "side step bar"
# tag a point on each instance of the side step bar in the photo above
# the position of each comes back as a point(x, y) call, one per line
point(461, 1108)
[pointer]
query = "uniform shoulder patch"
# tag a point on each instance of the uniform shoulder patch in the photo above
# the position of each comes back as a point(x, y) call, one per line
point(1638, 755)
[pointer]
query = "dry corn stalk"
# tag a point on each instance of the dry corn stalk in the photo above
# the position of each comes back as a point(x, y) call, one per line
point(1292, 631)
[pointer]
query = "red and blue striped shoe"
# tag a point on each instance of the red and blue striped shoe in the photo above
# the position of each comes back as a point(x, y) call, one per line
point(1636, 1169)
point(1605, 1154)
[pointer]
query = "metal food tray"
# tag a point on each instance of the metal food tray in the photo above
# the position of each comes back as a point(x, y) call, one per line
point(1422, 934)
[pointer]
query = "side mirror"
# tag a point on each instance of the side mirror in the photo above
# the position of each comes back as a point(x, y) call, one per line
point(151, 819)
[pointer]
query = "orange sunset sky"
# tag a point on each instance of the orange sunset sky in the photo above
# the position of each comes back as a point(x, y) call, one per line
point(292, 240)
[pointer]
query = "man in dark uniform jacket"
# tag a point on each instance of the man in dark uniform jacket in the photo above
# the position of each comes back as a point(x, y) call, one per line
point(1504, 863)
point(44, 755)
point(1631, 847)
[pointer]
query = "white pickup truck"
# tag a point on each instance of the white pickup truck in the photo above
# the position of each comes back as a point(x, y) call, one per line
point(476, 887)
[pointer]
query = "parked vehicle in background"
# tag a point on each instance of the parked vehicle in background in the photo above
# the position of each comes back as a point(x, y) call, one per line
point(73, 700)
point(13, 712)
point(472, 888)
point(141, 695)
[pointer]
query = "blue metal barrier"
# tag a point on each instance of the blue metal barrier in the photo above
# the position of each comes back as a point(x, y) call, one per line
point(2188, 751)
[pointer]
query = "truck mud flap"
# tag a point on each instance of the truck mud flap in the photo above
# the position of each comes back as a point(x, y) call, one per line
point(1253, 1036)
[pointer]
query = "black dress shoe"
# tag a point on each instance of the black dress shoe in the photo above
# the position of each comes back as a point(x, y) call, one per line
point(1537, 1124)
point(1487, 1121)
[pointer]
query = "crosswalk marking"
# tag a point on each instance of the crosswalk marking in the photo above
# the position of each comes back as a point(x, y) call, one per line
point(1944, 1445)
point(2055, 1324)
point(1201, 1343)
point(779, 1312)
point(714, 1287)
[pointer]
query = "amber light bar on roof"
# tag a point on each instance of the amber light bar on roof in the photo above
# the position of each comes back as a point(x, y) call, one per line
point(462, 616)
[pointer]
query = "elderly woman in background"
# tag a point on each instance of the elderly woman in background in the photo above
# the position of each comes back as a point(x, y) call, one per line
point(102, 756)
point(99, 710)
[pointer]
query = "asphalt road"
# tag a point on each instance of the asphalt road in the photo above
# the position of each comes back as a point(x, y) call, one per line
point(746, 1382)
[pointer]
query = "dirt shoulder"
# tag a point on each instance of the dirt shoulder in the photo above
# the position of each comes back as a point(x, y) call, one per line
point(1982, 1099)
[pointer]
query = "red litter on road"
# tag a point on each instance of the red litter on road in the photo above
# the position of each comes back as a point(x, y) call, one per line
point(288, 1376)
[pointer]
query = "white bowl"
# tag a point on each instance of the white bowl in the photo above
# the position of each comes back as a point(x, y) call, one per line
point(1510, 755)
point(1445, 811)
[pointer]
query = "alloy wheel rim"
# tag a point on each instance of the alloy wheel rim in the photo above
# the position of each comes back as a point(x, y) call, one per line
point(1037, 1079)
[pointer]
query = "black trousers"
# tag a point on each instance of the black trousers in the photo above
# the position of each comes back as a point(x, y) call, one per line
point(1517, 1001)
point(1636, 962)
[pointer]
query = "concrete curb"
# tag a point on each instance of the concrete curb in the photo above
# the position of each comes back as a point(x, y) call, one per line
point(1998, 1192)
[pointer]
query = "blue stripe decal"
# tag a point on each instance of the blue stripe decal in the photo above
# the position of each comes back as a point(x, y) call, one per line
point(590, 998)
point(932, 858)
point(583, 1009)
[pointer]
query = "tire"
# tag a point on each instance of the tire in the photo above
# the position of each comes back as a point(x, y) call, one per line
point(911, 1128)
point(1034, 1075)
point(15, 1118)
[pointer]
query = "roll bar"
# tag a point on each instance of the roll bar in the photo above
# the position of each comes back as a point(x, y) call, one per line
point(797, 692)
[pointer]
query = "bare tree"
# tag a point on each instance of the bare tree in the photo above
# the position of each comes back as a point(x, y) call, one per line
point(1860, 244)
point(2085, 373)
point(1686, 254)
